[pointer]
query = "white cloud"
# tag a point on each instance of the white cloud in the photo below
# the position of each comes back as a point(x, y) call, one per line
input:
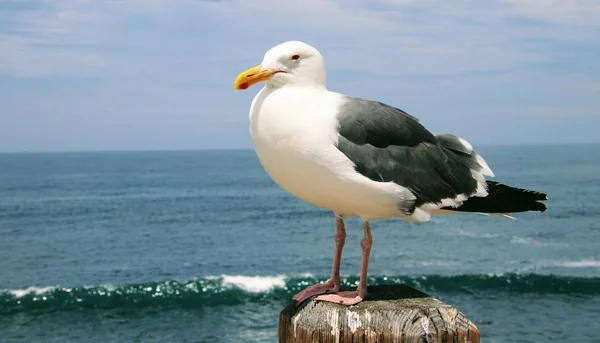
point(571, 12)
point(81, 37)
point(157, 65)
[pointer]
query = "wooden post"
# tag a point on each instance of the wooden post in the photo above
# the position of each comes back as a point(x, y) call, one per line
point(390, 313)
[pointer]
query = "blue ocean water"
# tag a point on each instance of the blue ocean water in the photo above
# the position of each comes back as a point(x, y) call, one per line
point(201, 246)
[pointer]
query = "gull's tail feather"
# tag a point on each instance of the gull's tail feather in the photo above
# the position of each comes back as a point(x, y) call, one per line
point(503, 199)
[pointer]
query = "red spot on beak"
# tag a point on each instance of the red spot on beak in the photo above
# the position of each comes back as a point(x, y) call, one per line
point(244, 85)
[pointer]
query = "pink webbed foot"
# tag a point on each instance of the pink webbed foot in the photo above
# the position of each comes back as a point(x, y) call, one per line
point(321, 288)
point(344, 298)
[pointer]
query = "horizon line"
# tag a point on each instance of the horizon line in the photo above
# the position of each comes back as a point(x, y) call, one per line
point(251, 148)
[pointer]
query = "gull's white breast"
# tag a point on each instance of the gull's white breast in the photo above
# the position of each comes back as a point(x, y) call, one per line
point(295, 131)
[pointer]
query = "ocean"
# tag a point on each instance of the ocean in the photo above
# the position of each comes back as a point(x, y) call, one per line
point(201, 246)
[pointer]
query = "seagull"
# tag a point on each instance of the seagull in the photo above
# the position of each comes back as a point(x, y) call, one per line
point(362, 158)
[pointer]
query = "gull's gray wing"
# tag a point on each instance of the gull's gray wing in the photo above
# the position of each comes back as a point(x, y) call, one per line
point(388, 145)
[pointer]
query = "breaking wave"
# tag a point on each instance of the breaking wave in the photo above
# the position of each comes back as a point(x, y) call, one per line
point(228, 290)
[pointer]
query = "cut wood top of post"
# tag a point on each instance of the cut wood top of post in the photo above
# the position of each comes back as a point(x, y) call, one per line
point(390, 313)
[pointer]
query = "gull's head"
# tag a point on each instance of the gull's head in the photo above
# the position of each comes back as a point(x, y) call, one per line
point(288, 63)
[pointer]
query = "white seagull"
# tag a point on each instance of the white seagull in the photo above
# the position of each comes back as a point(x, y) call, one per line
point(358, 157)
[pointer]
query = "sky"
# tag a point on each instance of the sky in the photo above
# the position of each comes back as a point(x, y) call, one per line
point(78, 75)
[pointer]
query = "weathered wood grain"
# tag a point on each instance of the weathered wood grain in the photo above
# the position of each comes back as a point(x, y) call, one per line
point(390, 313)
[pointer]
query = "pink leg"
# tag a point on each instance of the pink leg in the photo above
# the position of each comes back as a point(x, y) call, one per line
point(354, 297)
point(333, 285)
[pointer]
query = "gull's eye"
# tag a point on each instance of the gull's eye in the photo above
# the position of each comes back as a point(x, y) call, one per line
point(295, 57)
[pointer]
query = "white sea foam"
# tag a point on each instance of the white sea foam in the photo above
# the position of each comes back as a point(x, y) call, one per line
point(525, 241)
point(254, 284)
point(37, 290)
point(575, 264)
point(304, 275)
point(475, 234)
point(435, 263)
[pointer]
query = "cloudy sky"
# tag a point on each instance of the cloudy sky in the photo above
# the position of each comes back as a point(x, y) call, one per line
point(152, 74)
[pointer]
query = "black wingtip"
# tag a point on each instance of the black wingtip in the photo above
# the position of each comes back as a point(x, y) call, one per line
point(538, 207)
point(505, 199)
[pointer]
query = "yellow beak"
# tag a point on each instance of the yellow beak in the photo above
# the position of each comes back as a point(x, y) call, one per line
point(251, 76)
